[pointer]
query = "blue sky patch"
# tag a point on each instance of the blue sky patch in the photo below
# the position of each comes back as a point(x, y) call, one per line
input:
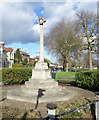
point(75, 6)
point(38, 12)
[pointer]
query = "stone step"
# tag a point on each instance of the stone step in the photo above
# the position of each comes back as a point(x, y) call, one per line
point(48, 90)
point(42, 85)
point(41, 80)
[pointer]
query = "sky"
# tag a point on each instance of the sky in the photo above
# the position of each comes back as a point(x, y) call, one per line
point(18, 21)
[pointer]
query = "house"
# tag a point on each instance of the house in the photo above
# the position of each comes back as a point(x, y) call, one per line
point(3, 52)
point(36, 58)
point(31, 60)
point(24, 55)
point(6, 56)
point(10, 56)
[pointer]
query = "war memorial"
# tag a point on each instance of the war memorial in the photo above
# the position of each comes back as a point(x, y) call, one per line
point(40, 85)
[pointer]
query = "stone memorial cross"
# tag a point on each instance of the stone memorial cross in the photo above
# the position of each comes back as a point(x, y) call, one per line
point(40, 21)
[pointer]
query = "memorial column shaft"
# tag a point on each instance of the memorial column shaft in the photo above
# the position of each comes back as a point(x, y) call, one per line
point(41, 59)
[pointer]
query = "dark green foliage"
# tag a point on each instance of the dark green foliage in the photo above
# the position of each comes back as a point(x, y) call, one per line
point(18, 56)
point(25, 61)
point(17, 65)
point(16, 75)
point(30, 64)
point(77, 70)
point(0, 75)
point(88, 79)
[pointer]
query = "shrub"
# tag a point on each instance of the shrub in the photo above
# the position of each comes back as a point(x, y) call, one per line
point(16, 75)
point(88, 79)
point(17, 65)
point(0, 75)
point(30, 65)
point(77, 70)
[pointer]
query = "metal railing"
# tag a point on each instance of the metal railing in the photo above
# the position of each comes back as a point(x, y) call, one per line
point(51, 110)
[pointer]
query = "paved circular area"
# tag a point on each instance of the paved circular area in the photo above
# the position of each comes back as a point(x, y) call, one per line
point(80, 93)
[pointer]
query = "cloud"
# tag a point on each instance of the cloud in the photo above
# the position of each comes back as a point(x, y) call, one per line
point(14, 44)
point(91, 6)
point(0, 21)
point(19, 19)
point(17, 23)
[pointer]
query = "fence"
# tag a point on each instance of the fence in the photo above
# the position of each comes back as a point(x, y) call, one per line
point(51, 109)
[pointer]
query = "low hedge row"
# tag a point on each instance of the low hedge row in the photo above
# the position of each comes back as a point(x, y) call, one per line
point(88, 79)
point(16, 75)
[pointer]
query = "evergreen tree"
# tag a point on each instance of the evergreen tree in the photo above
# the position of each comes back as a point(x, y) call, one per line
point(25, 61)
point(18, 56)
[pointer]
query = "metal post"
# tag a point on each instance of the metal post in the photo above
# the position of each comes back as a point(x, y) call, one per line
point(51, 110)
point(97, 106)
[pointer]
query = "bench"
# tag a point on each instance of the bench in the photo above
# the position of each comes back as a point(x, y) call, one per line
point(63, 82)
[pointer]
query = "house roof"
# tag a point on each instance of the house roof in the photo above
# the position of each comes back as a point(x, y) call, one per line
point(37, 57)
point(24, 53)
point(8, 49)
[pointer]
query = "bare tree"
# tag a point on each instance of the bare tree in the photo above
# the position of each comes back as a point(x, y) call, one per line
point(86, 24)
point(85, 60)
point(62, 41)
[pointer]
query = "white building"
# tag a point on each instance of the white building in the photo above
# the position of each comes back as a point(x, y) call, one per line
point(3, 52)
point(10, 56)
point(6, 56)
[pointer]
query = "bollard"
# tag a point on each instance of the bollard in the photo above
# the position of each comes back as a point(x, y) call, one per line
point(51, 110)
point(97, 106)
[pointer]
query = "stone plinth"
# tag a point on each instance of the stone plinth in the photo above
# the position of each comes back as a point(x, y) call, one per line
point(41, 65)
point(41, 79)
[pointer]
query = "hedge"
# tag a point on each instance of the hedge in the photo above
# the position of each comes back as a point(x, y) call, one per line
point(88, 79)
point(16, 75)
point(77, 70)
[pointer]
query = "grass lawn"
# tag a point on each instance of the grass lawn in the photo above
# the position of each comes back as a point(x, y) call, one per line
point(0, 75)
point(65, 74)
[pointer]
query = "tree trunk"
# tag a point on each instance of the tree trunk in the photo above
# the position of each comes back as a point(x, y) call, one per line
point(67, 67)
point(64, 65)
point(67, 60)
point(90, 60)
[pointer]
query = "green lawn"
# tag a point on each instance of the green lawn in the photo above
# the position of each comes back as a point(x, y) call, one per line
point(0, 75)
point(65, 74)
